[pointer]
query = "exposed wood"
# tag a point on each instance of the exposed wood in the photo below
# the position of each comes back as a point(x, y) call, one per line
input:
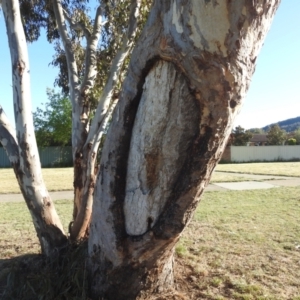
point(8, 139)
point(153, 166)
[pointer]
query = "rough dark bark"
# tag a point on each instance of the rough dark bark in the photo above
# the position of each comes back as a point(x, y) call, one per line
point(152, 176)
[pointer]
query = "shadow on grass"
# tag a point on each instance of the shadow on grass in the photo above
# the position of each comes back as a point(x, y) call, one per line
point(33, 276)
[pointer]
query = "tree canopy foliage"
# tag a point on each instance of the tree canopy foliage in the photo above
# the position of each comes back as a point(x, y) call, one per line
point(257, 130)
point(241, 136)
point(53, 123)
point(291, 141)
point(276, 135)
point(80, 18)
point(296, 136)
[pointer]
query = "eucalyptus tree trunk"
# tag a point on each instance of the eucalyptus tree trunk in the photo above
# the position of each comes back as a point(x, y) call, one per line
point(21, 145)
point(86, 140)
point(187, 78)
point(80, 107)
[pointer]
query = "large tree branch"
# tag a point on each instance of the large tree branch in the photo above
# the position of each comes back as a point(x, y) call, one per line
point(115, 71)
point(90, 53)
point(76, 25)
point(86, 172)
point(71, 61)
point(80, 109)
point(101, 119)
point(83, 217)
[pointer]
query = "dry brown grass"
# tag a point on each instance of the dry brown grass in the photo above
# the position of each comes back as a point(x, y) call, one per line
point(17, 234)
point(57, 179)
point(241, 245)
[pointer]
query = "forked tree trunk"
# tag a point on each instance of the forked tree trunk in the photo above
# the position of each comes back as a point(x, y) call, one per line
point(187, 78)
point(21, 147)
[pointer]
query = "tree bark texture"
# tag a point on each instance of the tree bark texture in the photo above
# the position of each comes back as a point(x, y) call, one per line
point(187, 78)
point(27, 165)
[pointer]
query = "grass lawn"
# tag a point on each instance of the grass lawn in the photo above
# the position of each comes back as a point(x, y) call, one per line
point(17, 234)
point(240, 245)
point(277, 168)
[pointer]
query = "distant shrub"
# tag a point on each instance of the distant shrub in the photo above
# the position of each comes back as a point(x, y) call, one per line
point(291, 141)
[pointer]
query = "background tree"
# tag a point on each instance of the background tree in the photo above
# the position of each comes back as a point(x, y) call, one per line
point(297, 136)
point(276, 135)
point(53, 124)
point(241, 136)
point(292, 141)
point(256, 130)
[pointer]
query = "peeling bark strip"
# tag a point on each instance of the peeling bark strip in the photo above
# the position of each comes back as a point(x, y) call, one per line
point(187, 78)
point(21, 147)
point(8, 139)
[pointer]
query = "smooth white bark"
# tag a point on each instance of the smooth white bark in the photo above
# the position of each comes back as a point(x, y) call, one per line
point(79, 117)
point(115, 71)
point(28, 169)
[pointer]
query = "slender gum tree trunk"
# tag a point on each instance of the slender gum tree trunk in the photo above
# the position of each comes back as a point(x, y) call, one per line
point(85, 166)
point(27, 167)
point(187, 78)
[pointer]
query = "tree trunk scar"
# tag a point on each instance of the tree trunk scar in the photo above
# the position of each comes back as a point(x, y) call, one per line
point(20, 67)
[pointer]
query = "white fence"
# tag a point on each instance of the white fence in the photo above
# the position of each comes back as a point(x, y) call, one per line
point(264, 153)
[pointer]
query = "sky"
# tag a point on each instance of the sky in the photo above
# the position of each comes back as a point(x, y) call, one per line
point(273, 94)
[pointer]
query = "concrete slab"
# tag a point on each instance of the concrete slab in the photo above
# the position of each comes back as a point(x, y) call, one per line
point(11, 198)
point(290, 182)
point(222, 186)
point(256, 176)
point(61, 195)
point(212, 188)
point(245, 185)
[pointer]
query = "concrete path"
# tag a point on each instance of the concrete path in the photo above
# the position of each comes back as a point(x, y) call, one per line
point(245, 185)
point(61, 195)
point(255, 176)
point(266, 182)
